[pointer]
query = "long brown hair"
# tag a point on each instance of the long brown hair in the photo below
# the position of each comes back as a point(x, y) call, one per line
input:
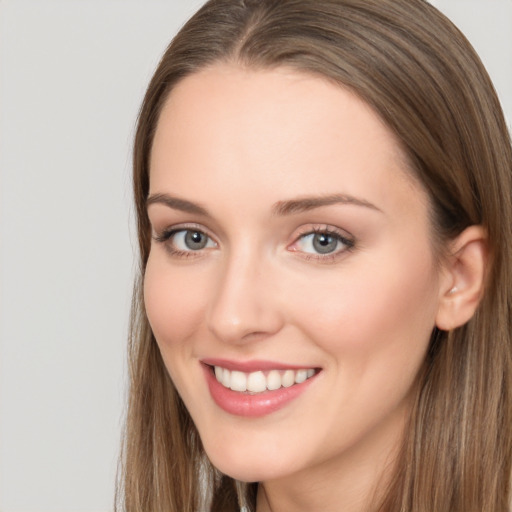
point(423, 78)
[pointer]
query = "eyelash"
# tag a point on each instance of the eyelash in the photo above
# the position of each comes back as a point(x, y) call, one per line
point(348, 243)
point(166, 235)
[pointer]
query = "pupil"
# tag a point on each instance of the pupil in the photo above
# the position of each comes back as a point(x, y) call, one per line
point(324, 243)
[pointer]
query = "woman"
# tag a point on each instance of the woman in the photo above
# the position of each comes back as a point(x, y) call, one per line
point(322, 316)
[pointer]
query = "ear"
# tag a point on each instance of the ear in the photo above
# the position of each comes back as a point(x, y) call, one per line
point(463, 278)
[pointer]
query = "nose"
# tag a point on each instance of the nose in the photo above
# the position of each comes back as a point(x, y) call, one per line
point(245, 305)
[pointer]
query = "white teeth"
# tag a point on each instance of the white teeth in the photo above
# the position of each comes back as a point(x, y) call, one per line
point(238, 381)
point(288, 379)
point(257, 382)
point(301, 376)
point(226, 378)
point(273, 380)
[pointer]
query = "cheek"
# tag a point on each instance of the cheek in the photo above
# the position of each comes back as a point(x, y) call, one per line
point(374, 326)
point(370, 309)
point(173, 303)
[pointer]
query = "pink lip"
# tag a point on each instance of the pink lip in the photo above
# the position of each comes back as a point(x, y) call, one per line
point(245, 404)
point(250, 366)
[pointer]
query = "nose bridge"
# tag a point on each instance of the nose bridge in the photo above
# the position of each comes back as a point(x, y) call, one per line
point(243, 304)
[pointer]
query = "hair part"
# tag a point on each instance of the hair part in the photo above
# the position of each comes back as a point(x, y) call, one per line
point(422, 77)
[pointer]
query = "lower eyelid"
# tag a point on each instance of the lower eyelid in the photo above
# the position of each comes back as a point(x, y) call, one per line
point(323, 258)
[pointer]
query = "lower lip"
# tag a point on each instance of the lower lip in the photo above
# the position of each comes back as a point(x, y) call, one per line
point(252, 406)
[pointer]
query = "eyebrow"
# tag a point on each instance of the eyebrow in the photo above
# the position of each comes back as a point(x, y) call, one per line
point(309, 203)
point(281, 208)
point(176, 203)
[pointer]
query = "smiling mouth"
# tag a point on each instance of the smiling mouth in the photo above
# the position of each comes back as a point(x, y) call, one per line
point(261, 381)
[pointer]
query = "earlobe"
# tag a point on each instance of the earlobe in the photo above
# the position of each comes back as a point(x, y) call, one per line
point(464, 279)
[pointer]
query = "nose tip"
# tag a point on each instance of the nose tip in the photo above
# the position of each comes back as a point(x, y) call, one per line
point(244, 307)
point(235, 330)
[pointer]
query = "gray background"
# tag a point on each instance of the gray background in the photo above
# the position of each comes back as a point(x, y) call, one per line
point(72, 75)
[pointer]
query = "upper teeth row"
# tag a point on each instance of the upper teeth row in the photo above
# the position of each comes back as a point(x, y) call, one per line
point(256, 382)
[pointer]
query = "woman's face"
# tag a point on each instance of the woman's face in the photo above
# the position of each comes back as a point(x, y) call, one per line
point(289, 243)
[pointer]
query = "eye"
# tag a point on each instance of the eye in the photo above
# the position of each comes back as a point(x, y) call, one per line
point(322, 243)
point(181, 241)
point(191, 240)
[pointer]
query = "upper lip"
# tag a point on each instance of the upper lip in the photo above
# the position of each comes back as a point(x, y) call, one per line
point(253, 365)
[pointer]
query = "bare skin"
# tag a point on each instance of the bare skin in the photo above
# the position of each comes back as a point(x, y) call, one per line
point(243, 269)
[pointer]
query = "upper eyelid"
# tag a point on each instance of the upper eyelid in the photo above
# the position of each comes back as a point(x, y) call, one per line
point(175, 228)
point(161, 224)
point(322, 228)
point(347, 242)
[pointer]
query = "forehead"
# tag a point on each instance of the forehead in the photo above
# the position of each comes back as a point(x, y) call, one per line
point(251, 129)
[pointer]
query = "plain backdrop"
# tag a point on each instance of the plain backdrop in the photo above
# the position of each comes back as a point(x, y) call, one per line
point(72, 75)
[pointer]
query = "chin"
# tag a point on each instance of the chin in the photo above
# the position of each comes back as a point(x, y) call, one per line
point(246, 472)
point(248, 467)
